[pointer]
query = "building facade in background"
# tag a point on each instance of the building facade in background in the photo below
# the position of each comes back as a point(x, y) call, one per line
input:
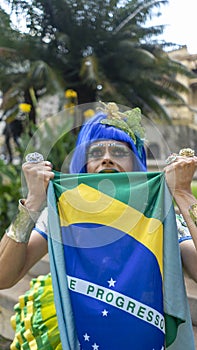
point(163, 139)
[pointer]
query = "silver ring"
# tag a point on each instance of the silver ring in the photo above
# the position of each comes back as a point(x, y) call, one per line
point(34, 157)
point(172, 158)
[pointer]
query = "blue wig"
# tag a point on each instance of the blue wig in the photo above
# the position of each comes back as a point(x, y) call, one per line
point(92, 131)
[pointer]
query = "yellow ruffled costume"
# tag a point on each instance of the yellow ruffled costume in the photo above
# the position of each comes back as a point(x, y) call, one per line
point(35, 321)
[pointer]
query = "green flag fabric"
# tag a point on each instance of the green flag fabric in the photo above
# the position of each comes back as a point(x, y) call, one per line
point(115, 263)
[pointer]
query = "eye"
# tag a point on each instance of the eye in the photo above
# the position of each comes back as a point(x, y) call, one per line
point(95, 152)
point(118, 151)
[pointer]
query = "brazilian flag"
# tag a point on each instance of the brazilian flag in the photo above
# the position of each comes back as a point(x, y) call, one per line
point(115, 263)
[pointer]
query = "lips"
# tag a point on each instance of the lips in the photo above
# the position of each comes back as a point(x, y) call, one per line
point(108, 171)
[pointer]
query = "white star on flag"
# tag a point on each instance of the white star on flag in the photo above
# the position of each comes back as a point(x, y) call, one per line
point(111, 282)
point(86, 337)
point(104, 312)
point(95, 346)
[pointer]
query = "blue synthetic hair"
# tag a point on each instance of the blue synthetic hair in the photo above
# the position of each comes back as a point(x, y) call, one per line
point(92, 131)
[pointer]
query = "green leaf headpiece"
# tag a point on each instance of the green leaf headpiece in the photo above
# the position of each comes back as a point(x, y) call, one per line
point(129, 121)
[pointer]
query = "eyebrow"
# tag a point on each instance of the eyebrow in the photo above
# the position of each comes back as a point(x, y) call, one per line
point(108, 144)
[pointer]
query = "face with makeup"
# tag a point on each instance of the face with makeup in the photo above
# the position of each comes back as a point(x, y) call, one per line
point(109, 156)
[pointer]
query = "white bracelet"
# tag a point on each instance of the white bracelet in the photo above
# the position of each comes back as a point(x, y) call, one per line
point(20, 229)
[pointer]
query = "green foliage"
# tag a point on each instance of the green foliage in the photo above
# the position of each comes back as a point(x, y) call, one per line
point(55, 139)
point(99, 43)
point(59, 155)
point(194, 188)
point(10, 192)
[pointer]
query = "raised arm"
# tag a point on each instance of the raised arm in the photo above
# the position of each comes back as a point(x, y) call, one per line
point(21, 247)
point(179, 176)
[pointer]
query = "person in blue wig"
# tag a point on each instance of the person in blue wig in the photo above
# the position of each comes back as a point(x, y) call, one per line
point(109, 142)
point(108, 127)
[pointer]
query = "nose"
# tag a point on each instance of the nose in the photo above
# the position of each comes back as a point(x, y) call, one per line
point(107, 159)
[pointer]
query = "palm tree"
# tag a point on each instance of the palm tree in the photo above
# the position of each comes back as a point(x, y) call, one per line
point(23, 78)
point(103, 50)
